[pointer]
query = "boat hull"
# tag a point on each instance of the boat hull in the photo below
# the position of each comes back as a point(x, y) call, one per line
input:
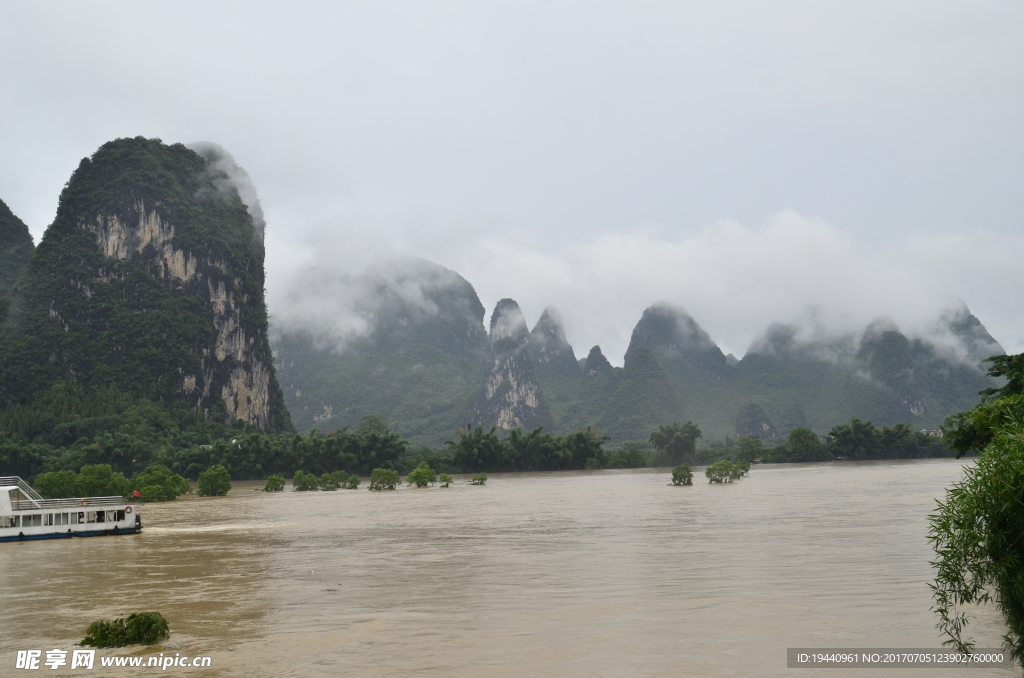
point(68, 535)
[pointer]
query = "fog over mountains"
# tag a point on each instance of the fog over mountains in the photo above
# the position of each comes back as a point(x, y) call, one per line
point(407, 340)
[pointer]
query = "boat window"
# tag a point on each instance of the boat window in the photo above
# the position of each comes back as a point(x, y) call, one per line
point(47, 519)
point(10, 521)
point(111, 516)
point(63, 519)
point(90, 516)
point(120, 515)
point(77, 518)
point(33, 520)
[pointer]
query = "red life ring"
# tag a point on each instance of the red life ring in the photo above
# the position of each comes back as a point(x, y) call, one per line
point(84, 502)
point(127, 509)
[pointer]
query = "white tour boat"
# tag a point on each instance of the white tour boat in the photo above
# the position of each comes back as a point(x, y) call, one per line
point(25, 515)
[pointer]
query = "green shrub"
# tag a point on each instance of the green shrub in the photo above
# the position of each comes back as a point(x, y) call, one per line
point(422, 476)
point(479, 479)
point(100, 480)
point(384, 479)
point(444, 480)
point(353, 482)
point(305, 482)
point(57, 485)
point(159, 483)
point(978, 536)
point(330, 482)
point(723, 471)
point(145, 628)
point(274, 484)
point(214, 482)
point(682, 475)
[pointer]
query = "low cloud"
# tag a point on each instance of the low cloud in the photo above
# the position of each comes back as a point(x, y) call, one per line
point(735, 280)
point(336, 308)
point(227, 174)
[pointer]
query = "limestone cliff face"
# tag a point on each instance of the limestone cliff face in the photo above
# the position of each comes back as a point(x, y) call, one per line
point(152, 281)
point(548, 343)
point(511, 396)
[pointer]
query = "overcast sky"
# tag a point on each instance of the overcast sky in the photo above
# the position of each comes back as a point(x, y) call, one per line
point(750, 162)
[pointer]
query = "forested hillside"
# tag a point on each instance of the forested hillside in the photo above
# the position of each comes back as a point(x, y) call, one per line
point(15, 248)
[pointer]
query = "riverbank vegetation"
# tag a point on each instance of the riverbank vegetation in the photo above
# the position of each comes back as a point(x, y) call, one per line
point(69, 429)
point(155, 483)
point(978, 530)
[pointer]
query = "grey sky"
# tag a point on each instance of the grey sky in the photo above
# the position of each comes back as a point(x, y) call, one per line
point(747, 161)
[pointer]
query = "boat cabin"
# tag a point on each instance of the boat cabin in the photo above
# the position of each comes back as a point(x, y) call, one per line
point(25, 515)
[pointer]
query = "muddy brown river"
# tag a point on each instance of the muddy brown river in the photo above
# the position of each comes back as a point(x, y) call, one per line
point(598, 573)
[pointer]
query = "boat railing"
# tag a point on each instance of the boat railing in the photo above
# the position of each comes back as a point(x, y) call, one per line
point(79, 503)
point(21, 485)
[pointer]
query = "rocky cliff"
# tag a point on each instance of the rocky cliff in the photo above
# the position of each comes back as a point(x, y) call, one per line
point(511, 396)
point(557, 371)
point(150, 280)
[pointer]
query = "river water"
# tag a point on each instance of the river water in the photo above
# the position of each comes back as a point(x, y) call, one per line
point(598, 573)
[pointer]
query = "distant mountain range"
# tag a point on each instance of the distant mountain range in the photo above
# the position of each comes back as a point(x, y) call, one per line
point(415, 350)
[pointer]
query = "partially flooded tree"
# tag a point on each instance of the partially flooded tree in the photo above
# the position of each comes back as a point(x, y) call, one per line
point(724, 471)
point(145, 628)
point(682, 475)
point(305, 482)
point(332, 481)
point(159, 483)
point(274, 484)
point(214, 482)
point(421, 476)
point(444, 480)
point(479, 479)
point(384, 479)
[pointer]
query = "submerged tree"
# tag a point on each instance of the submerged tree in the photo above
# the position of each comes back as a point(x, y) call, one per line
point(214, 482)
point(724, 471)
point(305, 482)
point(274, 484)
point(145, 628)
point(682, 475)
point(384, 479)
point(421, 476)
point(159, 483)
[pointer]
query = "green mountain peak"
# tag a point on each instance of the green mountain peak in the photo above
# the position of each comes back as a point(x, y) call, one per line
point(15, 248)
point(150, 281)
